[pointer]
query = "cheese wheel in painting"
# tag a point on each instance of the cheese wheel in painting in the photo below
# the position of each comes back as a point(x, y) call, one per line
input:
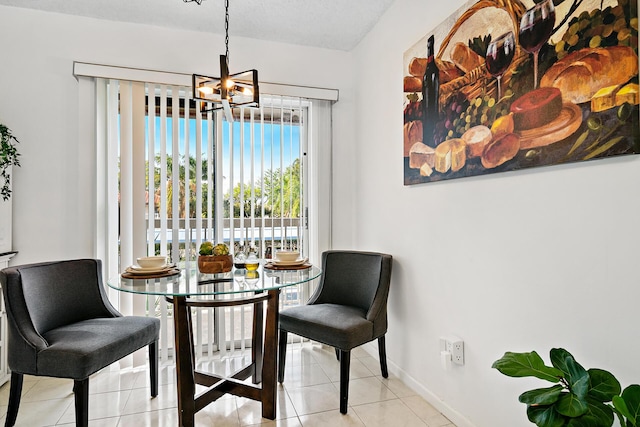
point(420, 154)
point(451, 154)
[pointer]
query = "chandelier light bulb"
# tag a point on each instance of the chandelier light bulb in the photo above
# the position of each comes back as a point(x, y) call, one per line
point(205, 90)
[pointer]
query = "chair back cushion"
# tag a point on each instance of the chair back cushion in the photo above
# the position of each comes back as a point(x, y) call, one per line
point(59, 293)
point(353, 278)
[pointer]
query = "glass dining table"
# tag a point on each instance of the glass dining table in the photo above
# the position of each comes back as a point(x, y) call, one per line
point(190, 288)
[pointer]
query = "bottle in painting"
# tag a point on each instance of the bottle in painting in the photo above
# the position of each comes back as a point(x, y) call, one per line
point(430, 94)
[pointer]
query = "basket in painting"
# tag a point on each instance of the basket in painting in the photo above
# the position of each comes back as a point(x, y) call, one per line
point(478, 81)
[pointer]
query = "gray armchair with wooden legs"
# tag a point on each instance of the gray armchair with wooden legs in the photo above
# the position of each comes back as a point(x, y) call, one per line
point(61, 324)
point(348, 309)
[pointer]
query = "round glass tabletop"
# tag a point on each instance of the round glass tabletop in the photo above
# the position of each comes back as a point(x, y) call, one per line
point(190, 282)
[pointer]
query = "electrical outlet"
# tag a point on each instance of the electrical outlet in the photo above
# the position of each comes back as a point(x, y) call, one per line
point(457, 352)
point(453, 346)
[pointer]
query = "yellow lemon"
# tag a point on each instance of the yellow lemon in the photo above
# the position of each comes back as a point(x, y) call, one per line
point(503, 124)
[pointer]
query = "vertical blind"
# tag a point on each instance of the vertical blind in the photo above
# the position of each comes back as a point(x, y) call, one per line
point(164, 165)
point(175, 176)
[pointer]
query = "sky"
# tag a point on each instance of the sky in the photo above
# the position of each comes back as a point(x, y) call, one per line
point(275, 139)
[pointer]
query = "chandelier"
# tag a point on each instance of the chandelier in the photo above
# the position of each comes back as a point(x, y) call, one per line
point(229, 90)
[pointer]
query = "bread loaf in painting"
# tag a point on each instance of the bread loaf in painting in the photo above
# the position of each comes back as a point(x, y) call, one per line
point(412, 84)
point(476, 138)
point(448, 71)
point(502, 149)
point(581, 74)
point(412, 134)
point(465, 58)
point(417, 67)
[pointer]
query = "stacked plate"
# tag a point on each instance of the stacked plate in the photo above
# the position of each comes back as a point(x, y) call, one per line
point(136, 270)
point(294, 263)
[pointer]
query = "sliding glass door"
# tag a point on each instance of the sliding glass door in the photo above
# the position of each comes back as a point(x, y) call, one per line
point(174, 176)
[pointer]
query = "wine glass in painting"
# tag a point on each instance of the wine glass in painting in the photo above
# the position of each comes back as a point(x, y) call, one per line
point(536, 27)
point(499, 55)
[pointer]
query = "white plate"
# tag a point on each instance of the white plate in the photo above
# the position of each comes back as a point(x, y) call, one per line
point(147, 273)
point(149, 269)
point(296, 262)
point(143, 274)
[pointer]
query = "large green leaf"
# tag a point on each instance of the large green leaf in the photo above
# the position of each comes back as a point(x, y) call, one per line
point(542, 396)
point(631, 397)
point(526, 365)
point(571, 405)
point(621, 408)
point(576, 375)
point(603, 385)
point(584, 421)
point(559, 358)
point(545, 416)
point(598, 414)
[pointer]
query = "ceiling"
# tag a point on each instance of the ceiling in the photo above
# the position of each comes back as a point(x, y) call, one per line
point(332, 24)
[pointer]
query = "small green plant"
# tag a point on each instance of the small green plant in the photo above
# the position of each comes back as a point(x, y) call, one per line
point(580, 397)
point(208, 248)
point(8, 157)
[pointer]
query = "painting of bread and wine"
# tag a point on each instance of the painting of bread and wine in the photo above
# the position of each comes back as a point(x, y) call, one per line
point(503, 85)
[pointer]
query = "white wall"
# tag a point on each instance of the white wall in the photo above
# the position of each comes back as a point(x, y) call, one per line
point(517, 261)
point(39, 100)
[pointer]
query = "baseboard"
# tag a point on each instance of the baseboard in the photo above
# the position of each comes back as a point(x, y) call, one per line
point(456, 417)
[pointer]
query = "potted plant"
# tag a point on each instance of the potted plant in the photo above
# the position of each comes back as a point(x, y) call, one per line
point(579, 398)
point(8, 157)
point(214, 258)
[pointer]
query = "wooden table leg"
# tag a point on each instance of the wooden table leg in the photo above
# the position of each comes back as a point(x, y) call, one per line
point(257, 342)
point(269, 367)
point(184, 362)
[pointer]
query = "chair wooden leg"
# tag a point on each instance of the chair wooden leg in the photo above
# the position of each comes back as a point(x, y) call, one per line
point(382, 353)
point(153, 368)
point(14, 399)
point(282, 354)
point(81, 394)
point(345, 359)
point(337, 353)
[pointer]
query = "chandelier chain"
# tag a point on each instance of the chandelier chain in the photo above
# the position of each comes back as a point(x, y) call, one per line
point(226, 29)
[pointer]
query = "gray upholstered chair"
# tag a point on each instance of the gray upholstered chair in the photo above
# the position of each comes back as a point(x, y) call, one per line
point(348, 309)
point(60, 324)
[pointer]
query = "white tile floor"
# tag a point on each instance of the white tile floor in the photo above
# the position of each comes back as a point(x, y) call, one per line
point(309, 397)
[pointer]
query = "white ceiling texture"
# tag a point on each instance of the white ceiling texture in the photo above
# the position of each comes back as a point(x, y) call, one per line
point(332, 24)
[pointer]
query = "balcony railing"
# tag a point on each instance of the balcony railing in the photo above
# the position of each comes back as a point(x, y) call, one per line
point(261, 233)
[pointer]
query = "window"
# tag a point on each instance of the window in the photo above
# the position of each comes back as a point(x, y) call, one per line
point(241, 183)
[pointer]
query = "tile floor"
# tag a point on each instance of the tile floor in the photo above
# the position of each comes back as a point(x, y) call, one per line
point(309, 397)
